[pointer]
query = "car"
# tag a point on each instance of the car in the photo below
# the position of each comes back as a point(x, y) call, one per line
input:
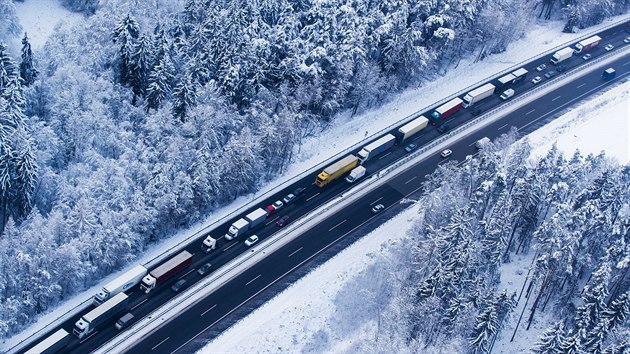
point(443, 128)
point(251, 240)
point(561, 68)
point(278, 204)
point(536, 80)
point(446, 153)
point(283, 221)
point(476, 111)
point(626, 40)
point(270, 209)
point(586, 56)
point(609, 47)
point(289, 198)
point(541, 67)
point(299, 191)
point(204, 269)
point(410, 147)
point(124, 321)
point(550, 74)
point(507, 94)
point(378, 208)
point(179, 285)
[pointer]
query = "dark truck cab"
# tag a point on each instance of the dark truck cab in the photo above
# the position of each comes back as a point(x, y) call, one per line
point(609, 74)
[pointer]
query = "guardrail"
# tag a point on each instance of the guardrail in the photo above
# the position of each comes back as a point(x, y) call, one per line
point(167, 253)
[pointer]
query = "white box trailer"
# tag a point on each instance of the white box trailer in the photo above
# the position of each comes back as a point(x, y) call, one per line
point(355, 174)
point(122, 283)
point(412, 128)
point(478, 94)
point(52, 344)
point(519, 74)
point(587, 44)
point(562, 55)
point(256, 217)
point(99, 315)
point(505, 80)
point(237, 228)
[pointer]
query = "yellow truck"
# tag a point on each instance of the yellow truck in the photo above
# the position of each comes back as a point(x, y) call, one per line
point(336, 170)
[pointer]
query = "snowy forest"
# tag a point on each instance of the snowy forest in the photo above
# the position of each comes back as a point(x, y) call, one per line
point(147, 115)
point(569, 218)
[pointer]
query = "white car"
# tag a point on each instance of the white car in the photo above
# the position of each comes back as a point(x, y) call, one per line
point(446, 153)
point(609, 47)
point(251, 240)
point(277, 205)
point(507, 94)
point(536, 80)
point(586, 57)
point(378, 208)
point(626, 40)
point(541, 67)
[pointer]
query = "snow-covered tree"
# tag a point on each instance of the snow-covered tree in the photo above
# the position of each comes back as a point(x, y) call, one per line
point(28, 73)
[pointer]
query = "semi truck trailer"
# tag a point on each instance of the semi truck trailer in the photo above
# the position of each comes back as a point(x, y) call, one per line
point(411, 128)
point(446, 110)
point(336, 170)
point(123, 283)
point(355, 174)
point(110, 308)
point(165, 271)
point(519, 75)
point(52, 344)
point(241, 225)
point(505, 80)
point(587, 44)
point(478, 94)
point(376, 147)
point(562, 55)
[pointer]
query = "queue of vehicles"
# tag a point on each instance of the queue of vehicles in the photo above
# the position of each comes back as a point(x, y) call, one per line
point(112, 300)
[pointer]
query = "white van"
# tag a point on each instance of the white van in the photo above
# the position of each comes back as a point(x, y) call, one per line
point(482, 142)
point(507, 94)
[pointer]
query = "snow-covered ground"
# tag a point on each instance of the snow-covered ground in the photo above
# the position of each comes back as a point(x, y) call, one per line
point(296, 321)
point(346, 130)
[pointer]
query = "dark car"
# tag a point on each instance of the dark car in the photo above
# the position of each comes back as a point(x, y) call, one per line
point(443, 128)
point(283, 221)
point(410, 147)
point(298, 192)
point(179, 285)
point(476, 111)
point(561, 68)
point(550, 74)
point(204, 269)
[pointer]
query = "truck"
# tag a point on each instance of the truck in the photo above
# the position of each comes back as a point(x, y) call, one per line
point(355, 174)
point(587, 44)
point(519, 75)
point(478, 94)
point(505, 80)
point(165, 271)
point(336, 170)
point(376, 147)
point(609, 74)
point(208, 244)
point(110, 308)
point(241, 225)
point(52, 344)
point(446, 110)
point(120, 284)
point(411, 128)
point(561, 55)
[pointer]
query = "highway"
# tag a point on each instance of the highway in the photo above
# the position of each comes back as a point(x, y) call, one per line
point(206, 319)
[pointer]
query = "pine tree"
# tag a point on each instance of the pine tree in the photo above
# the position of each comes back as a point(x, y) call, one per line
point(126, 35)
point(8, 70)
point(550, 342)
point(140, 65)
point(28, 73)
point(485, 329)
point(184, 96)
point(618, 311)
point(160, 83)
point(571, 344)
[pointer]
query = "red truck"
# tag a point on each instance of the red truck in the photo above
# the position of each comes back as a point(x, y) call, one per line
point(446, 109)
point(165, 271)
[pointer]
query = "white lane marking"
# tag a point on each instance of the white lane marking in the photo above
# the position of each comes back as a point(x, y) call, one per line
point(376, 201)
point(384, 155)
point(628, 63)
point(503, 126)
point(167, 338)
point(296, 251)
point(556, 98)
point(530, 112)
point(418, 137)
point(414, 177)
point(188, 272)
point(141, 302)
point(334, 227)
point(88, 337)
point(230, 246)
point(444, 160)
point(206, 311)
point(272, 220)
point(473, 143)
point(581, 85)
point(311, 197)
point(249, 282)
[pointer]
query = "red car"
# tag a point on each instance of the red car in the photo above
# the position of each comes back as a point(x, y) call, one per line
point(270, 210)
point(283, 221)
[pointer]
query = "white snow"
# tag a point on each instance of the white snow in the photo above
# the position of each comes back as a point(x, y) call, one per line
point(297, 321)
point(302, 315)
point(39, 19)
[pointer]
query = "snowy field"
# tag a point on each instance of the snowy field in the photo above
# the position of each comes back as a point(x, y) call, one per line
point(346, 130)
